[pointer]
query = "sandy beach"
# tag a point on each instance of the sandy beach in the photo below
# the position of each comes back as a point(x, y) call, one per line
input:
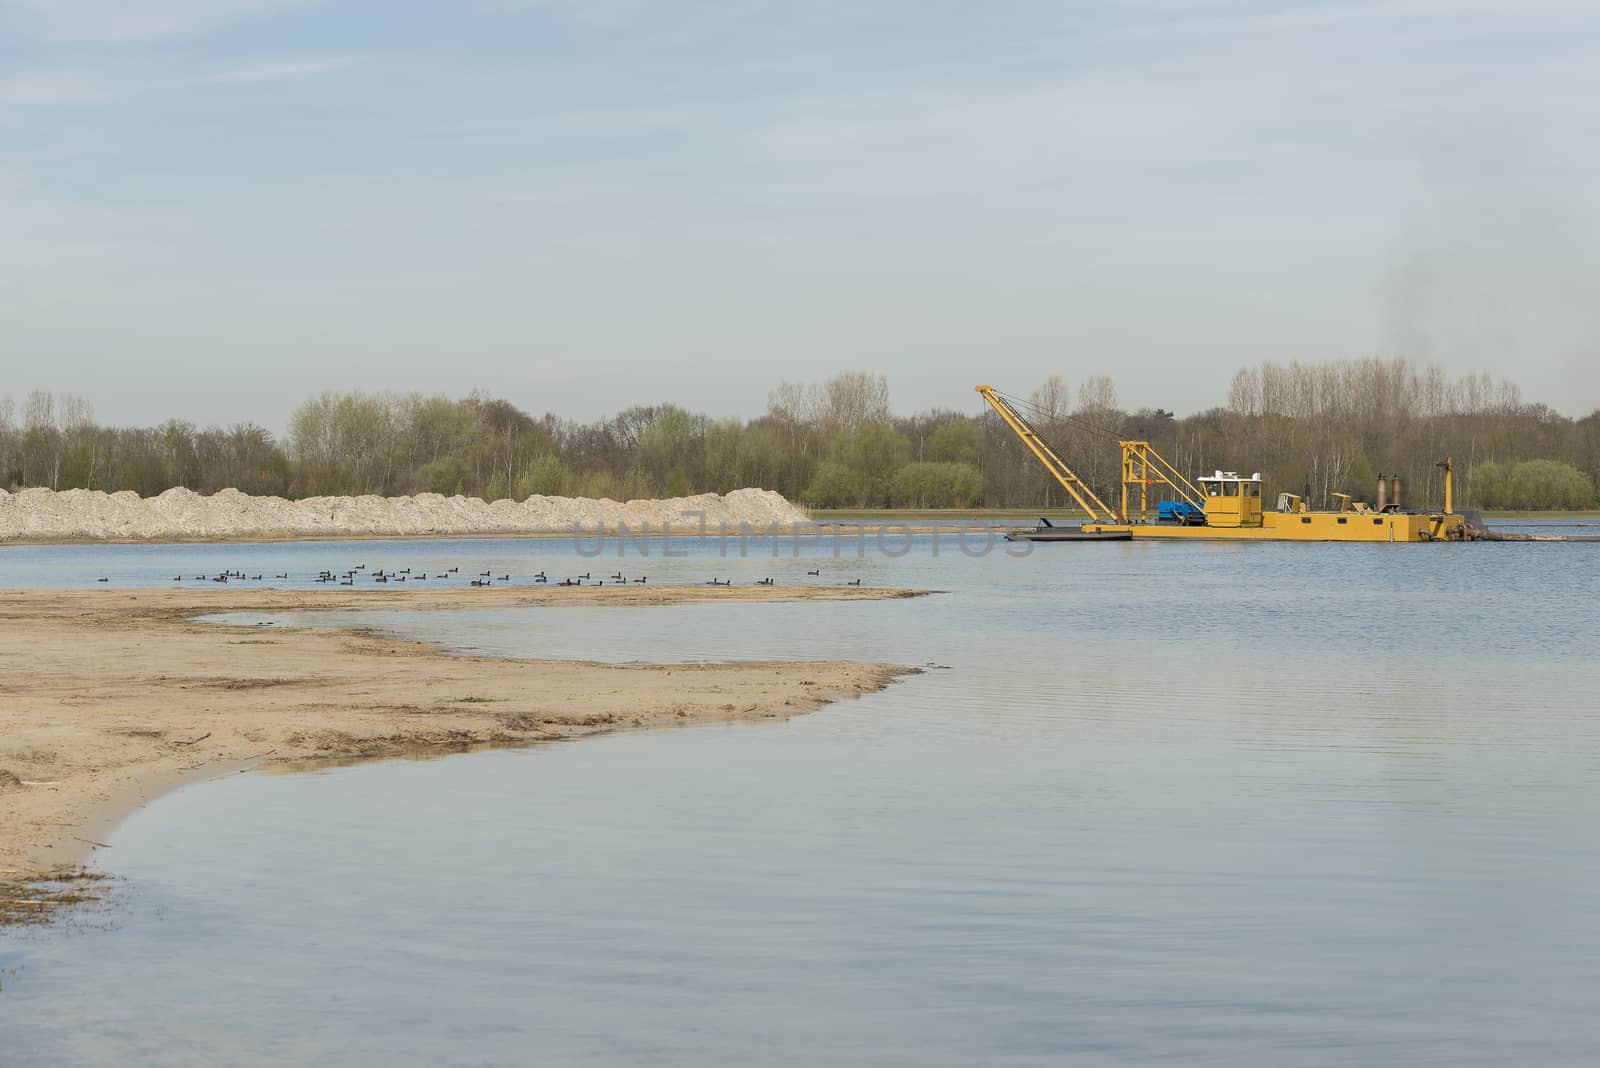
point(851, 535)
point(113, 697)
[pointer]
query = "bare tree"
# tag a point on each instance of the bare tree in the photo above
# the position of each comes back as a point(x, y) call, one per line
point(1244, 392)
point(1051, 402)
point(1096, 425)
point(856, 398)
point(8, 442)
point(41, 445)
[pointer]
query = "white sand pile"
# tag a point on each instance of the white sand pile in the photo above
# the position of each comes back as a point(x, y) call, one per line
point(42, 515)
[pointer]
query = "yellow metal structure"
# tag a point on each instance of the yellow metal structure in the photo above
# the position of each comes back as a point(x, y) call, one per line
point(1233, 511)
point(1142, 466)
point(1229, 505)
point(1079, 490)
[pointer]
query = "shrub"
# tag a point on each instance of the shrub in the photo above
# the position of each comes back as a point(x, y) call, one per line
point(833, 486)
point(938, 485)
point(1531, 485)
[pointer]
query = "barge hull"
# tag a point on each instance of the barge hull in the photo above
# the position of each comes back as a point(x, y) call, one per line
point(1391, 528)
point(1069, 534)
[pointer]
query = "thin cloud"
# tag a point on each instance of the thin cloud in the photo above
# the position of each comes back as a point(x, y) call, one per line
point(68, 87)
point(124, 21)
point(45, 88)
point(285, 70)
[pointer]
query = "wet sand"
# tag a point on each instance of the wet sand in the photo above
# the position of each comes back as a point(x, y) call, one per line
point(114, 697)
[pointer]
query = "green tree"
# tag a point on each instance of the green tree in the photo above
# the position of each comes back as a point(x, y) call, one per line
point(938, 485)
point(447, 476)
point(873, 453)
point(833, 486)
point(547, 476)
point(959, 441)
point(1532, 485)
point(673, 440)
point(1488, 483)
point(725, 447)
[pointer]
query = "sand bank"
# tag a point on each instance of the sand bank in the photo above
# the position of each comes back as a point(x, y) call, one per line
point(112, 697)
point(39, 515)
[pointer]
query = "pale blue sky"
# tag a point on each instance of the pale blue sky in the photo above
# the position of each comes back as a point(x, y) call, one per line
point(210, 208)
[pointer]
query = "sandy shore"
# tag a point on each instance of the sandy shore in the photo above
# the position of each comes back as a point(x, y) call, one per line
point(847, 533)
point(113, 697)
point(42, 514)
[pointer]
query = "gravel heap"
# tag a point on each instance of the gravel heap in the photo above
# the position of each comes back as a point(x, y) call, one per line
point(177, 514)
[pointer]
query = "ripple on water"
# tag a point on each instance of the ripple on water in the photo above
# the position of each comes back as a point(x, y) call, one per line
point(1203, 804)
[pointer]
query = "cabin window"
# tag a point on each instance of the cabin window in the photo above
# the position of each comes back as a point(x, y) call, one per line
point(1213, 489)
point(1305, 519)
point(1253, 489)
point(1377, 522)
point(1231, 488)
point(1342, 519)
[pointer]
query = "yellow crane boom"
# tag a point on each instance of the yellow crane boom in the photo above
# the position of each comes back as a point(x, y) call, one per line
point(1075, 486)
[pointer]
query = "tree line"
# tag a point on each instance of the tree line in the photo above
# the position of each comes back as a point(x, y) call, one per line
point(1316, 429)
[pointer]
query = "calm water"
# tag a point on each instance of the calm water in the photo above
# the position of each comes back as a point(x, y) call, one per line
point(1208, 804)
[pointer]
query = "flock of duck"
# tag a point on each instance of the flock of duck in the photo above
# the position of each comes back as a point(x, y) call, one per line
point(349, 577)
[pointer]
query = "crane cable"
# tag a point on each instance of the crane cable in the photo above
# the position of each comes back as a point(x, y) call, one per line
point(1041, 412)
point(1055, 417)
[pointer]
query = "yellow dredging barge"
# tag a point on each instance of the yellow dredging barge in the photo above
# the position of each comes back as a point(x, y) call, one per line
point(1223, 506)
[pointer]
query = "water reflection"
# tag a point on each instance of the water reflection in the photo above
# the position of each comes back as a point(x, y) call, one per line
point(1204, 804)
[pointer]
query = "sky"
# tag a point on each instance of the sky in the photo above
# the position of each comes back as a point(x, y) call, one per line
point(211, 209)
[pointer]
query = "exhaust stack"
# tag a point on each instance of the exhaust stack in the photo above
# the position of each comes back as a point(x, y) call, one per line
point(1382, 485)
point(1396, 493)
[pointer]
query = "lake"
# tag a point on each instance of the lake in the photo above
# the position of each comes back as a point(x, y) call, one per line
point(1192, 803)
